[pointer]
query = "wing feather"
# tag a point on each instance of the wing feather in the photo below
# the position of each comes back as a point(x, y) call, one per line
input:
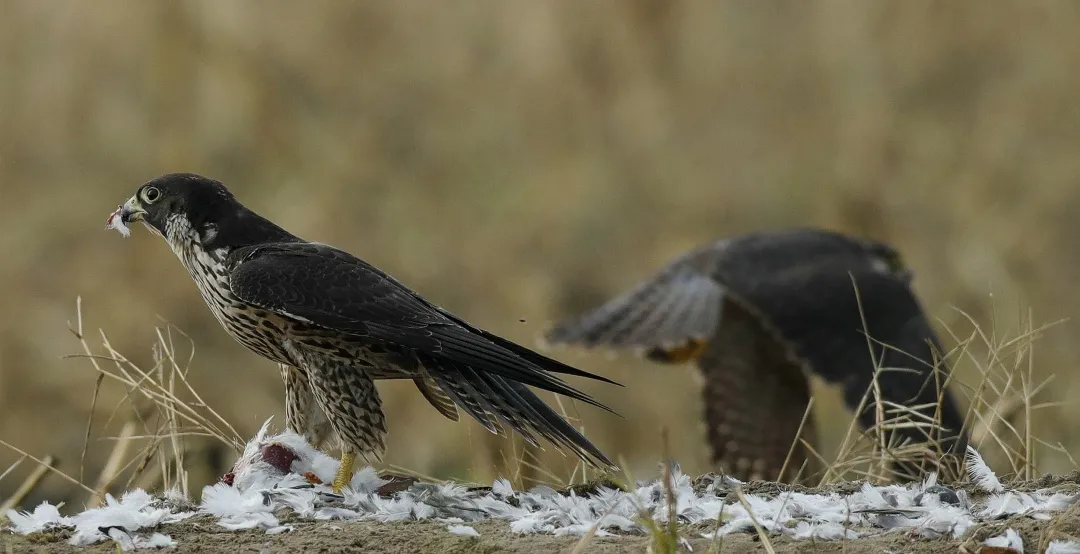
point(651, 315)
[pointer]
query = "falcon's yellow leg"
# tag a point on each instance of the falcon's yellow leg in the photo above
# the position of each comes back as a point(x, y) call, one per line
point(344, 472)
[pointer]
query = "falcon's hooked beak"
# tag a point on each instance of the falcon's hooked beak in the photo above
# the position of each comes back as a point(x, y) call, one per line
point(132, 211)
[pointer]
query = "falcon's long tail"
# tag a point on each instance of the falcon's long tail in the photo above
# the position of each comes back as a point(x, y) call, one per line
point(486, 375)
point(493, 400)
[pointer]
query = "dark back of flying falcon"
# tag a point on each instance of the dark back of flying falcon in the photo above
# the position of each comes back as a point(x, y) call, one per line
point(759, 311)
point(334, 324)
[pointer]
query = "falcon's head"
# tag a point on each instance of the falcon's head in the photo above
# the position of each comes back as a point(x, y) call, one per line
point(186, 207)
point(889, 260)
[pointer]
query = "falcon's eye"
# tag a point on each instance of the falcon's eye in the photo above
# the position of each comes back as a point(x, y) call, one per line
point(151, 195)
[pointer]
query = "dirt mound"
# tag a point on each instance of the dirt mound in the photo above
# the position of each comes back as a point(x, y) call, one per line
point(203, 535)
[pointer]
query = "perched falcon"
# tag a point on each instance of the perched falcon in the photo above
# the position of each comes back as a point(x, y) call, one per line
point(335, 323)
point(759, 311)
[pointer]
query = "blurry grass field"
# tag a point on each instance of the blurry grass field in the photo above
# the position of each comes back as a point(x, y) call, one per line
point(517, 162)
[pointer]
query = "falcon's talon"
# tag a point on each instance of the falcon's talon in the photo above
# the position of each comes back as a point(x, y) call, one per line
point(335, 324)
point(344, 472)
point(691, 350)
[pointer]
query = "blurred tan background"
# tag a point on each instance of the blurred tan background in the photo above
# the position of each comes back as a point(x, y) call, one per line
point(522, 161)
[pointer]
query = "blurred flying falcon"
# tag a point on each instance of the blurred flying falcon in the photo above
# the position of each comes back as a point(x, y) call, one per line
point(757, 313)
point(334, 324)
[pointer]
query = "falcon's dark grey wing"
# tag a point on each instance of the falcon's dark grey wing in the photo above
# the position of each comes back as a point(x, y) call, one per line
point(483, 373)
point(818, 312)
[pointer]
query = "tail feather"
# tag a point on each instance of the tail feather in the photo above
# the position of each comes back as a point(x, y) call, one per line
point(551, 425)
point(438, 399)
point(468, 398)
point(461, 347)
point(492, 399)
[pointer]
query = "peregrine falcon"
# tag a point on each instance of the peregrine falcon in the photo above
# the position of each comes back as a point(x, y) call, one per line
point(757, 313)
point(334, 324)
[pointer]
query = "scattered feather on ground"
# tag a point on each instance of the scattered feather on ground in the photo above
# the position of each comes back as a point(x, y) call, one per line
point(980, 472)
point(1063, 547)
point(1009, 542)
point(279, 476)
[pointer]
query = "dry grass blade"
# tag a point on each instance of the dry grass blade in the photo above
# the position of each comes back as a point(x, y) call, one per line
point(664, 540)
point(170, 402)
point(27, 485)
point(155, 390)
point(848, 443)
point(765, 542)
point(852, 438)
point(112, 465)
point(1025, 382)
point(163, 352)
point(875, 383)
point(798, 440)
point(672, 533)
point(163, 390)
point(1054, 529)
point(89, 423)
point(1007, 373)
point(78, 332)
point(47, 465)
point(536, 470)
point(420, 476)
point(12, 467)
point(1060, 449)
point(580, 467)
point(1006, 390)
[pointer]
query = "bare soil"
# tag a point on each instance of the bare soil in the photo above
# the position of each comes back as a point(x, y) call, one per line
point(203, 535)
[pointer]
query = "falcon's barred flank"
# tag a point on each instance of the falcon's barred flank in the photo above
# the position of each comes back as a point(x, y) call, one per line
point(757, 312)
point(334, 324)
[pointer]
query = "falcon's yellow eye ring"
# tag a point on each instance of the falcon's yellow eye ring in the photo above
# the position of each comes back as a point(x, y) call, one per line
point(151, 195)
